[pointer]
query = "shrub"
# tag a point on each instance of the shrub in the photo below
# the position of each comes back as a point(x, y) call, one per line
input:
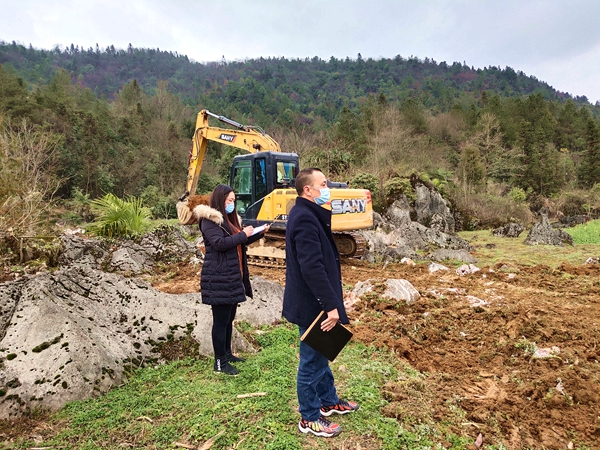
point(161, 207)
point(119, 218)
point(207, 183)
point(517, 195)
point(366, 181)
point(485, 211)
point(395, 187)
point(573, 203)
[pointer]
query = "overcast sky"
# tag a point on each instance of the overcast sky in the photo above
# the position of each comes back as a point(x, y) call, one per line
point(557, 41)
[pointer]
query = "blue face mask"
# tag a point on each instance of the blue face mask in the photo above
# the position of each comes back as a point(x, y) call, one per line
point(229, 208)
point(324, 197)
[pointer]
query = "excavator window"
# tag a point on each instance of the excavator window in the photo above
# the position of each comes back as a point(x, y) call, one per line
point(242, 184)
point(285, 169)
point(260, 178)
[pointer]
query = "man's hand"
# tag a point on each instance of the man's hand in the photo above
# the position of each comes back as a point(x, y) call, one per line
point(332, 318)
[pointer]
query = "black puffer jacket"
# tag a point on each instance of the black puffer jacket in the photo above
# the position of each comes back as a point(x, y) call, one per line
point(221, 282)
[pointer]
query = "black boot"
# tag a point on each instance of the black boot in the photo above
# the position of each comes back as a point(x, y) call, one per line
point(223, 366)
point(230, 357)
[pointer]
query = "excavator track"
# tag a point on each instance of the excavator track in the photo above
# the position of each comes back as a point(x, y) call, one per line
point(264, 261)
point(349, 244)
point(270, 252)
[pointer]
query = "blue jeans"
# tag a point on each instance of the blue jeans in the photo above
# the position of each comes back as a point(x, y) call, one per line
point(315, 384)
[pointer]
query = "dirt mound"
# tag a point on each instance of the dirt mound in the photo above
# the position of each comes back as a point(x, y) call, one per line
point(481, 358)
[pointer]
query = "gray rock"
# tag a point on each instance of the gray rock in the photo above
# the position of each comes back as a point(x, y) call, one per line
point(83, 251)
point(435, 267)
point(393, 253)
point(510, 230)
point(396, 289)
point(266, 306)
point(166, 244)
point(72, 334)
point(131, 257)
point(430, 207)
point(414, 236)
point(398, 213)
point(543, 233)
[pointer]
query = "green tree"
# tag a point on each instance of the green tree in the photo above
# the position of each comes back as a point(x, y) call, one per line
point(589, 172)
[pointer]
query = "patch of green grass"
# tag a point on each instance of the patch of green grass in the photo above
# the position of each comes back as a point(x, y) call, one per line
point(490, 249)
point(587, 233)
point(185, 401)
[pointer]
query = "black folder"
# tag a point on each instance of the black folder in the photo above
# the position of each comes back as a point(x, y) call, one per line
point(327, 343)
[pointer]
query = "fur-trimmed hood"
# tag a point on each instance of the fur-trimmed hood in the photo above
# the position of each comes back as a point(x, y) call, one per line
point(206, 212)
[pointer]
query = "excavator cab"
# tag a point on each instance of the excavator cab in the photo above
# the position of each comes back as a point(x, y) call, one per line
point(255, 176)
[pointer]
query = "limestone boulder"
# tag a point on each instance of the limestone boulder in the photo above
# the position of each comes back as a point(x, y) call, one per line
point(166, 244)
point(266, 305)
point(431, 208)
point(542, 233)
point(396, 289)
point(74, 333)
point(448, 254)
point(510, 230)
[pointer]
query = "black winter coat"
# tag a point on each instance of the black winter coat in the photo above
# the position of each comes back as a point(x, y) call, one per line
point(221, 281)
point(313, 277)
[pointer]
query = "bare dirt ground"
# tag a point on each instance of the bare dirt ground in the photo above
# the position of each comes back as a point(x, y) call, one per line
point(480, 372)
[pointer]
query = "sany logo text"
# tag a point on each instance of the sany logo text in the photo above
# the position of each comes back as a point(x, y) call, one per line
point(227, 137)
point(352, 205)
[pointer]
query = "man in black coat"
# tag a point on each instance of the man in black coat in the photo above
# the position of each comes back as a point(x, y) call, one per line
point(313, 284)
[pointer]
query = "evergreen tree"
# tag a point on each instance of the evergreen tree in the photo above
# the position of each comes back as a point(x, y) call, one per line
point(590, 168)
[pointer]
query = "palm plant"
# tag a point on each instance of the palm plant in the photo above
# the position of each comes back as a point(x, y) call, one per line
point(117, 217)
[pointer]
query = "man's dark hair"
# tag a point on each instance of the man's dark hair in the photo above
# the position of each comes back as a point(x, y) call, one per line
point(305, 178)
point(217, 201)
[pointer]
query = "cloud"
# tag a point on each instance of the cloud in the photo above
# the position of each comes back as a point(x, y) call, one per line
point(554, 40)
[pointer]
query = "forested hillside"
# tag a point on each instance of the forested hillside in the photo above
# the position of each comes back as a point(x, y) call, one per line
point(77, 124)
point(268, 87)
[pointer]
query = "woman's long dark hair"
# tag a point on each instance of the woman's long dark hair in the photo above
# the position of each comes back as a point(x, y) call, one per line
point(217, 201)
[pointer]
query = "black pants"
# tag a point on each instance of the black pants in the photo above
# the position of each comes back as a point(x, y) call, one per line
point(222, 328)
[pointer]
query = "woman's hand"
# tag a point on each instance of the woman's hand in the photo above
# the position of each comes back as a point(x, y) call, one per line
point(248, 230)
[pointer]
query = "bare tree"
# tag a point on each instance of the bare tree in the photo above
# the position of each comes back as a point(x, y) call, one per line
point(28, 175)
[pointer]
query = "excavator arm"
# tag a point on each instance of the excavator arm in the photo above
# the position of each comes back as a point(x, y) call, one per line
point(250, 138)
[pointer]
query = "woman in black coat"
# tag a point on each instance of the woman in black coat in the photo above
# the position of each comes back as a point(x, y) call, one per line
point(224, 280)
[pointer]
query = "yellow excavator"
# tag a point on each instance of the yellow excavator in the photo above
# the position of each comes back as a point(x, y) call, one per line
point(263, 184)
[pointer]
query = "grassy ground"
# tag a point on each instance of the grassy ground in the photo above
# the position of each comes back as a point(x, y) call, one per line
point(185, 403)
point(491, 249)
